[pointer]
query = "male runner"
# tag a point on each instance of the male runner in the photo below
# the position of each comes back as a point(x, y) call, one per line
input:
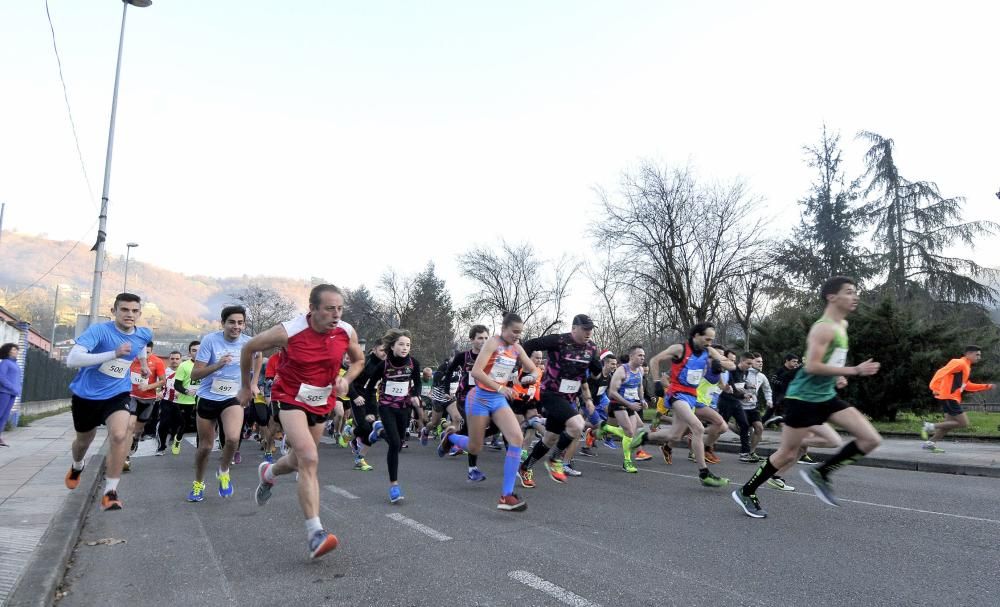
point(626, 404)
point(144, 394)
point(948, 384)
point(169, 414)
point(186, 389)
point(103, 355)
point(779, 383)
point(812, 399)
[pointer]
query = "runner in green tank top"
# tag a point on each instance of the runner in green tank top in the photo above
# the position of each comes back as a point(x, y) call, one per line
point(812, 399)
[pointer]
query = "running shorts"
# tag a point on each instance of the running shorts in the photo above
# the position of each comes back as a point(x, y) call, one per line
point(89, 414)
point(212, 409)
point(802, 413)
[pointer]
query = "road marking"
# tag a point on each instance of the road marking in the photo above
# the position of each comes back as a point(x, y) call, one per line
point(227, 588)
point(808, 493)
point(422, 528)
point(557, 592)
point(341, 492)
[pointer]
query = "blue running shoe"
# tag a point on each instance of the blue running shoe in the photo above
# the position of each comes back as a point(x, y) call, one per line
point(376, 429)
point(197, 492)
point(225, 484)
point(354, 447)
point(442, 449)
point(269, 457)
point(476, 475)
point(395, 494)
point(424, 436)
point(610, 443)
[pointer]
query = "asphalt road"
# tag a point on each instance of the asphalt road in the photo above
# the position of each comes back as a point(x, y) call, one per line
point(607, 538)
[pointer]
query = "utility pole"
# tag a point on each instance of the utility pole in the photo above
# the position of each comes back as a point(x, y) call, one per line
point(55, 321)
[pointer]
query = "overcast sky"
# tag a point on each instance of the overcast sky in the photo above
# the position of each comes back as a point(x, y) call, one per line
point(344, 137)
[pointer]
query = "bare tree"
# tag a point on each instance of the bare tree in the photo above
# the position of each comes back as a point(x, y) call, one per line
point(514, 279)
point(618, 318)
point(397, 295)
point(687, 241)
point(265, 307)
point(746, 296)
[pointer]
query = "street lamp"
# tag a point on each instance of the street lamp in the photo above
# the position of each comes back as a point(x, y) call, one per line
point(128, 250)
point(95, 294)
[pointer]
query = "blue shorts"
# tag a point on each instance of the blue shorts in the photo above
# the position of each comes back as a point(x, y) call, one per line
point(483, 402)
point(690, 399)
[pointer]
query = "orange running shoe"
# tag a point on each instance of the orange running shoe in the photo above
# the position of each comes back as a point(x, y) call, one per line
point(589, 438)
point(527, 477)
point(642, 456)
point(73, 478)
point(110, 501)
point(322, 542)
point(668, 454)
point(711, 457)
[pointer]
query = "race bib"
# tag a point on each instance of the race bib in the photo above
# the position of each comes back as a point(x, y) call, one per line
point(425, 390)
point(739, 385)
point(502, 368)
point(569, 386)
point(313, 395)
point(602, 390)
point(694, 376)
point(453, 388)
point(631, 394)
point(116, 368)
point(838, 358)
point(136, 378)
point(397, 388)
point(472, 381)
point(225, 387)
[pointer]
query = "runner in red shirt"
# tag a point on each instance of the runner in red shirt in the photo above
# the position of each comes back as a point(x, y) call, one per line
point(145, 393)
point(306, 389)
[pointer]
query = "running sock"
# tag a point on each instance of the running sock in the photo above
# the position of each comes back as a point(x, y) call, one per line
point(269, 473)
point(221, 471)
point(312, 526)
point(473, 460)
point(78, 466)
point(565, 440)
point(764, 472)
point(848, 454)
point(111, 484)
point(537, 453)
point(459, 440)
point(616, 430)
point(703, 473)
point(510, 466)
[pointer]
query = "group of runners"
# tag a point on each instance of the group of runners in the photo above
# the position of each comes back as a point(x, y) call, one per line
point(544, 399)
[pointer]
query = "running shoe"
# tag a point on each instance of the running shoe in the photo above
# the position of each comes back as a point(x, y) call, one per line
point(610, 443)
point(496, 445)
point(749, 503)
point(711, 457)
point(750, 458)
point(820, 486)
point(321, 543)
point(404, 445)
point(779, 483)
point(269, 457)
point(569, 470)
point(424, 436)
point(134, 447)
point(376, 430)
point(341, 441)
point(511, 503)
point(476, 475)
point(668, 454)
point(442, 449)
point(175, 448)
point(348, 430)
point(527, 477)
point(807, 460)
point(225, 484)
point(73, 478)
point(361, 464)
point(354, 447)
point(264, 486)
point(925, 431)
point(774, 421)
point(197, 492)
point(110, 501)
point(642, 456)
point(127, 466)
point(930, 446)
point(714, 481)
point(690, 456)
point(587, 452)
point(160, 451)
point(629, 467)
point(395, 493)
point(247, 433)
point(455, 452)
point(555, 468)
point(237, 458)
point(588, 438)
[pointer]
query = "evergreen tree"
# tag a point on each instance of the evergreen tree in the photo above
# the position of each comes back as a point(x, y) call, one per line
point(430, 318)
point(365, 314)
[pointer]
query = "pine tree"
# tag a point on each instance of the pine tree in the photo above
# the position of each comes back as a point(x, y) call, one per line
point(430, 318)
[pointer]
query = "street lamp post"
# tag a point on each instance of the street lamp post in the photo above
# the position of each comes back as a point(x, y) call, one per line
point(128, 250)
point(95, 294)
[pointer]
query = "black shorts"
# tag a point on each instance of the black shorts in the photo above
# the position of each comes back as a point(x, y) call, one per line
point(259, 413)
point(802, 414)
point(558, 410)
point(313, 419)
point(440, 407)
point(950, 407)
point(212, 409)
point(616, 406)
point(89, 414)
point(141, 408)
point(521, 407)
point(753, 415)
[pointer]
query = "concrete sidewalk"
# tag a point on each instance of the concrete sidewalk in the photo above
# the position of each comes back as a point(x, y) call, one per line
point(32, 490)
point(972, 458)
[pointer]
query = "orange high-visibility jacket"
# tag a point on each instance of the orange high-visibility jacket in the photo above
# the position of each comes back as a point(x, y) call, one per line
point(951, 380)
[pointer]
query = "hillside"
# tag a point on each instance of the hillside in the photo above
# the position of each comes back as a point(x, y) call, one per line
point(174, 303)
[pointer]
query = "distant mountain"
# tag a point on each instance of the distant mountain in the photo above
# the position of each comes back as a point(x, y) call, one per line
point(175, 304)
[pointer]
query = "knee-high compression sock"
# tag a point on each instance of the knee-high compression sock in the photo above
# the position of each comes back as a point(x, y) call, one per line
point(536, 454)
point(616, 430)
point(565, 440)
point(764, 472)
point(459, 440)
point(473, 460)
point(510, 465)
point(848, 454)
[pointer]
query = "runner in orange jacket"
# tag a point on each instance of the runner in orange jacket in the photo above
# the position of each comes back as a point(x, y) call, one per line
point(947, 385)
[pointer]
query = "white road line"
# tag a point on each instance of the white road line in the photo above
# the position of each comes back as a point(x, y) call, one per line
point(807, 493)
point(341, 492)
point(422, 528)
point(557, 592)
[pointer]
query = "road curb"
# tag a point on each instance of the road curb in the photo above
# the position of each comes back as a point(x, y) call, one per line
point(890, 463)
point(47, 567)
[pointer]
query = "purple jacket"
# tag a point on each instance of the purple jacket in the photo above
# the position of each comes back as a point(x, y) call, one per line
point(10, 377)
